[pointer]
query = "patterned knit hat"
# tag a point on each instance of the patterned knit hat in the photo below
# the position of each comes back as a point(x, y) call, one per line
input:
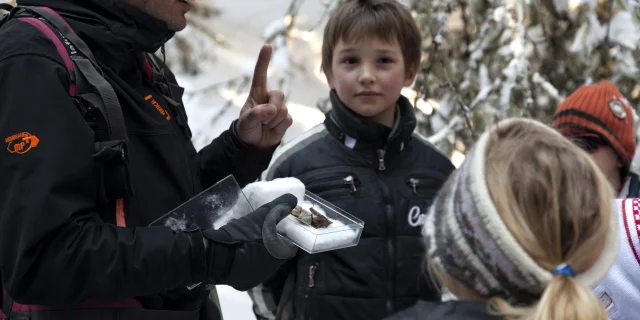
point(467, 239)
point(602, 110)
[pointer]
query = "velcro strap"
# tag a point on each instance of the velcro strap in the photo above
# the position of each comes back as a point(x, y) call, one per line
point(111, 156)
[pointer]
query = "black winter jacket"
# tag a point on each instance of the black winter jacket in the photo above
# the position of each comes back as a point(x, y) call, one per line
point(385, 177)
point(450, 310)
point(51, 251)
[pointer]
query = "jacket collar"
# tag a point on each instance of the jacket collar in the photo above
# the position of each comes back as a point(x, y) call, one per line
point(116, 33)
point(358, 132)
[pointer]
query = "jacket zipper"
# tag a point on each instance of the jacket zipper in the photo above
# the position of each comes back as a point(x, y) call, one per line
point(381, 154)
point(414, 183)
point(183, 126)
point(391, 253)
point(312, 275)
point(311, 284)
point(348, 181)
point(390, 231)
point(423, 181)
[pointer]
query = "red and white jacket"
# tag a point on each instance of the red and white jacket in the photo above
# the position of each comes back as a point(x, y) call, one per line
point(619, 290)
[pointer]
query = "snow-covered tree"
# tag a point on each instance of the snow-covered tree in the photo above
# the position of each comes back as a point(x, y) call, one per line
point(189, 49)
point(488, 59)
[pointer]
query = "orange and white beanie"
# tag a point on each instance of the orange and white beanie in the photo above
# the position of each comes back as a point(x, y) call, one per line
point(602, 110)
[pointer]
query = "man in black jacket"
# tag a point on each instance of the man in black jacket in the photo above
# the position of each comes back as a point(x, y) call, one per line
point(63, 243)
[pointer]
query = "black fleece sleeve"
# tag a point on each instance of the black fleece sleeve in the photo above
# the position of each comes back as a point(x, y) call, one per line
point(227, 154)
point(50, 252)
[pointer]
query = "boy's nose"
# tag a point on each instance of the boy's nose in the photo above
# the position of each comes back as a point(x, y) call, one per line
point(366, 75)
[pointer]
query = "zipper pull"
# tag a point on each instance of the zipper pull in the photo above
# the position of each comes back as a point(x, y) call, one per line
point(312, 275)
point(413, 183)
point(348, 180)
point(381, 166)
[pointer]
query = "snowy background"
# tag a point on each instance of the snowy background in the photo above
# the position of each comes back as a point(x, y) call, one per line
point(243, 24)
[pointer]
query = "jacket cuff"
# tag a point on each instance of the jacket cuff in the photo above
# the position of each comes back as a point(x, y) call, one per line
point(198, 256)
point(249, 161)
point(222, 250)
point(242, 147)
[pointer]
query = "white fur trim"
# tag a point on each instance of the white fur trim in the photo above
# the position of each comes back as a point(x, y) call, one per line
point(458, 237)
point(503, 237)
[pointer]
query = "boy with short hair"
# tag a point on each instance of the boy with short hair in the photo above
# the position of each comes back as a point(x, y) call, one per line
point(599, 119)
point(366, 159)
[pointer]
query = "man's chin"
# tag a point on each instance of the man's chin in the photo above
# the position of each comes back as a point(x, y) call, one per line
point(177, 25)
point(177, 28)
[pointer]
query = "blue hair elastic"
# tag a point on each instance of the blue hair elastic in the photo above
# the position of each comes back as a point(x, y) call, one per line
point(564, 269)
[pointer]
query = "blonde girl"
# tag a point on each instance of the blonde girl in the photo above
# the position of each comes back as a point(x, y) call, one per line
point(522, 230)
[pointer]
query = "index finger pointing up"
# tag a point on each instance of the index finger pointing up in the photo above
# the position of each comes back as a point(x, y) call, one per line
point(259, 81)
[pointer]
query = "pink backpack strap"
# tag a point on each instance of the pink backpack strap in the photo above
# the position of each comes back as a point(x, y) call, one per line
point(87, 67)
point(148, 69)
point(62, 50)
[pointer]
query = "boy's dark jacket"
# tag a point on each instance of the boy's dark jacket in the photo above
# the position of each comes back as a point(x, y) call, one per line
point(385, 272)
point(450, 310)
point(50, 253)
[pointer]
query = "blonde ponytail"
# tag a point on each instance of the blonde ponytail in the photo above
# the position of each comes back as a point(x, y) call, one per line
point(563, 299)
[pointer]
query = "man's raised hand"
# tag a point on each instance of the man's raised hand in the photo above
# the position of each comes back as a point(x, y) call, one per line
point(264, 118)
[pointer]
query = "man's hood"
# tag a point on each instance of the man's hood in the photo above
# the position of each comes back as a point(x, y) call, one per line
point(115, 32)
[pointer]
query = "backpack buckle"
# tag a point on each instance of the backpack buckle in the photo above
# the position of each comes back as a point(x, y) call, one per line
point(111, 157)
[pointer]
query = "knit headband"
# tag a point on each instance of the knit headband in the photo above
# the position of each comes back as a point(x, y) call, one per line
point(466, 237)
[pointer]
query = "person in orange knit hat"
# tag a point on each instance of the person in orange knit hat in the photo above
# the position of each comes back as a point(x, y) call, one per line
point(599, 119)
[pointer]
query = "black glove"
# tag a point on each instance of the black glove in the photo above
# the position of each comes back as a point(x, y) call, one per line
point(237, 255)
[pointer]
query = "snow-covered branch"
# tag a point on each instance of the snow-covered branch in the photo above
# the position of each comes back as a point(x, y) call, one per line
point(445, 132)
point(519, 58)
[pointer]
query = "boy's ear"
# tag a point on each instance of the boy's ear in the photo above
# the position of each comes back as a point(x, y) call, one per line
point(410, 76)
point(329, 80)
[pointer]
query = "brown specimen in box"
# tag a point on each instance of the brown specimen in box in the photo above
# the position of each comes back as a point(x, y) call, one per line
point(318, 220)
point(312, 218)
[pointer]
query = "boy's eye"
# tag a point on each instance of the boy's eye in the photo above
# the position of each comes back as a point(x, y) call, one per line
point(349, 60)
point(385, 60)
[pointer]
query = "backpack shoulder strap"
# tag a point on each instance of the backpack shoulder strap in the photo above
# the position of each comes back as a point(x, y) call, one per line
point(60, 47)
point(89, 85)
point(82, 65)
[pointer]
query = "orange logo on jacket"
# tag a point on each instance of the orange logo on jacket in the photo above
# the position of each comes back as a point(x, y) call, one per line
point(158, 107)
point(21, 142)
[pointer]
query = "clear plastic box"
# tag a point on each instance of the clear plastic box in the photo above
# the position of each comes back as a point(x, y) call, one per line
point(344, 231)
point(211, 208)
